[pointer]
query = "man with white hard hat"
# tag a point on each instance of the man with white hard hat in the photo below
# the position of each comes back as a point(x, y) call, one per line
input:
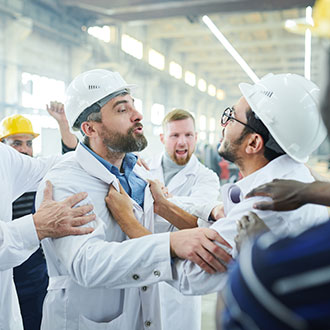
point(104, 280)
point(269, 134)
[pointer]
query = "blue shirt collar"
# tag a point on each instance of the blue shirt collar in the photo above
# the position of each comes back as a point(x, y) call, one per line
point(128, 164)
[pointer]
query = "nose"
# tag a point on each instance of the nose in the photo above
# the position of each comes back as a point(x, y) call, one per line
point(24, 149)
point(182, 139)
point(136, 115)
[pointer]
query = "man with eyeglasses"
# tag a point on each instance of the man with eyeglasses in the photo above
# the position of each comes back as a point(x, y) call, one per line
point(268, 134)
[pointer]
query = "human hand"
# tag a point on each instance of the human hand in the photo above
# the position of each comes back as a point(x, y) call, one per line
point(286, 195)
point(158, 190)
point(218, 212)
point(198, 246)
point(56, 110)
point(58, 219)
point(248, 227)
point(141, 162)
point(119, 203)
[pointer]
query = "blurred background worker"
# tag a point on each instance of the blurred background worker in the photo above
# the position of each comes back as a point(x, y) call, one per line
point(31, 278)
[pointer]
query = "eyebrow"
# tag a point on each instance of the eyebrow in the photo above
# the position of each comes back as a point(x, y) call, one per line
point(119, 102)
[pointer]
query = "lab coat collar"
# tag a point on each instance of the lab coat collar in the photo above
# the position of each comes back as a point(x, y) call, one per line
point(93, 167)
point(182, 176)
point(279, 166)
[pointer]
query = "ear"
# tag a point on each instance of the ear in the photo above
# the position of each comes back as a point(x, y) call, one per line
point(161, 136)
point(254, 144)
point(196, 136)
point(88, 128)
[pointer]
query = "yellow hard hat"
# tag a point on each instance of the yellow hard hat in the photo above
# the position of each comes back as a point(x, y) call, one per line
point(16, 124)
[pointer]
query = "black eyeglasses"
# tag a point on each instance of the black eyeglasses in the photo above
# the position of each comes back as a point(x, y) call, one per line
point(228, 115)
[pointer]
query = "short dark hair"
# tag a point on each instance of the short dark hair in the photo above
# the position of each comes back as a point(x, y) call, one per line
point(259, 127)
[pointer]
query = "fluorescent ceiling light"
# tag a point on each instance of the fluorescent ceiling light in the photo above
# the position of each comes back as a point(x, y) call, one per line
point(232, 51)
point(308, 44)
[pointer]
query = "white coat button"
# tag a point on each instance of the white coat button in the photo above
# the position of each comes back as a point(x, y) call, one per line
point(147, 323)
point(144, 288)
point(157, 273)
point(136, 277)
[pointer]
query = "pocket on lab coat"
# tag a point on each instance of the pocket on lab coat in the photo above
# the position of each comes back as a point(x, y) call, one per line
point(115, 324)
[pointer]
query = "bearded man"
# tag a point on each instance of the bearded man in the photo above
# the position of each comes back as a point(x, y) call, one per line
point(188, 183)
point(105, 281)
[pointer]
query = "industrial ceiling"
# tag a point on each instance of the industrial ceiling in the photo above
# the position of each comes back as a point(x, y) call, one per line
point(255, 28)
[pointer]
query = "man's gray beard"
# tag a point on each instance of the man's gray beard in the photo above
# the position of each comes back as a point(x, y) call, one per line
point(125, 143)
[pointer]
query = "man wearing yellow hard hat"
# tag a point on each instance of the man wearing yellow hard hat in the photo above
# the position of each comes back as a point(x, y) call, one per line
point(17, 132)
point(31, 277)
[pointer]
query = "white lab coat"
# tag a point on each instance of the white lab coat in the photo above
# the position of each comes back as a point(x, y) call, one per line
point(97, 281)
point(190, 279)
point(18, 239)
point(193, 184)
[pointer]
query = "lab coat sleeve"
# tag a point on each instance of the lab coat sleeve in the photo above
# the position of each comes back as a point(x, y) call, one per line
point(190, 279)
point(206, 189)
point(18, 240)
point(92, 261)
point(26, 172)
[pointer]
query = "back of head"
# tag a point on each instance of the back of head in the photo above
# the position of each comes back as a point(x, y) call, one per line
point(176, 114)
point(16, 124)
point(287, 104)
point(91, 87)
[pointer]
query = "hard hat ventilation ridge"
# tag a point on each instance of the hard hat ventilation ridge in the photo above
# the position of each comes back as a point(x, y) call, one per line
point(93, 87)
point(267, 93)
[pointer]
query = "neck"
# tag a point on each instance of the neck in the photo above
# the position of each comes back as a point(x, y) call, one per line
point(251, 164)
point(113, 157)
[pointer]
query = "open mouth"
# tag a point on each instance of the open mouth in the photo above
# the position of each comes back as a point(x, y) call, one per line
point(138, 129)
point(181, 153)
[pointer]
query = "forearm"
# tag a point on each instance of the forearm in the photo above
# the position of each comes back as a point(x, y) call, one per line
point(175, 215)
point(317, 192)
point(132, 228)
point(69, 139)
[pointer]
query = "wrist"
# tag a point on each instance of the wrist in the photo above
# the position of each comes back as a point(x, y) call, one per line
point(160, 204)
point(40, 232)
point(172, 252)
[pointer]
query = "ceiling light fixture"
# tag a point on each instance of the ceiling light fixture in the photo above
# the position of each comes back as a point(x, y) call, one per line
point(232, 51)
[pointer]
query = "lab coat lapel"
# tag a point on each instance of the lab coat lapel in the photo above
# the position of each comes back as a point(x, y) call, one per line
point(181, 177)
point(92, 166)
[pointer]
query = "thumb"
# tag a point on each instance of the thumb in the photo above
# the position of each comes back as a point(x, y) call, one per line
point(48, 191)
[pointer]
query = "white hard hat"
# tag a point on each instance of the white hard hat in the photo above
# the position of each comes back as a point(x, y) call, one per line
point(288, 105)
point(90, 87)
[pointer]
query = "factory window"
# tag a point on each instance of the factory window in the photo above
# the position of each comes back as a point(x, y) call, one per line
point(221, 94)
point(211, 138)
point(38, 91)
point(190, 78)
point(132, 46)
point(157, 113)
point(212, 124)
point(202, 136)
point(175, 70)
point(202, 123)
point(101, 33)
point(202, 85)
point(212, 90)
point(156, 59)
